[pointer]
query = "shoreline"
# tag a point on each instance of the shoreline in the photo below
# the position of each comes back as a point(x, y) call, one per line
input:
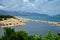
point(44, 21)
point(49, 22)
point(19, 21)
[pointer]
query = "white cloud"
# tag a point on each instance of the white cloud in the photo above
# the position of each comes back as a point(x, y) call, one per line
point(2, 7)
point(25, 0)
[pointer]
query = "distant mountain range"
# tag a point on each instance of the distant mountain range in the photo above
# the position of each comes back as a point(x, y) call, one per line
point(18, 13)
point(31, 15)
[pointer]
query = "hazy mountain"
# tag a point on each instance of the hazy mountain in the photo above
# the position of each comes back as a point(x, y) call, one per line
point(31, 15)
point(20, 13)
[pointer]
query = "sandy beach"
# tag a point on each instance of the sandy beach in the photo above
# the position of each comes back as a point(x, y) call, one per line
point(13, 22)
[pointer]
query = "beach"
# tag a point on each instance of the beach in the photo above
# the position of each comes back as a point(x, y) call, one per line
point(13, 22)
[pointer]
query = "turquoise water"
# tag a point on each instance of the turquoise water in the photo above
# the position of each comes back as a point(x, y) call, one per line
point(53, 19)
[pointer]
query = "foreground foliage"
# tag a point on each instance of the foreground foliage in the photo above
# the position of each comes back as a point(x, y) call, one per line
point(10, 34)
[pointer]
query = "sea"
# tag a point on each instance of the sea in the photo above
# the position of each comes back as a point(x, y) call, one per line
point(33, 28)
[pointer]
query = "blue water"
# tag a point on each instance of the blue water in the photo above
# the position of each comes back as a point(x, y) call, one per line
point(38, 28)
point(53, 19)
point(33, 28)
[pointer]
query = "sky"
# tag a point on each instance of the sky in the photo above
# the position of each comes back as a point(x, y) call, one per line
point(50, 7)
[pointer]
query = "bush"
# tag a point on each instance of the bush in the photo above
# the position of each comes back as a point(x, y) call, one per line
point(10, 34)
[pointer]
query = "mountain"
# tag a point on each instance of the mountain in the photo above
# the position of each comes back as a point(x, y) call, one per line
point(31, 15)
point(20, 13)
point(3, 12)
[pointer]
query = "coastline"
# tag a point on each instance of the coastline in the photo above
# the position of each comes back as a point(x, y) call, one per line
point(49, 22)
point(18, 21)
point(44, 21)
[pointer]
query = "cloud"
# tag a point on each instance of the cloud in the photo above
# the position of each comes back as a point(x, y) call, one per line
point(2, 7)
point(40, 6)
point(25, 0)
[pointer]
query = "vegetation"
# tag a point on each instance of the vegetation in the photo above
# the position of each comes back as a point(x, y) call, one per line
point(10, 34)
point(5, 17)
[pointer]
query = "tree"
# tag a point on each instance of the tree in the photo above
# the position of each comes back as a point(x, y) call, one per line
point(57, 36)
point(49, 36)
point(37, 37)
point(8, 33)
point(21, 35)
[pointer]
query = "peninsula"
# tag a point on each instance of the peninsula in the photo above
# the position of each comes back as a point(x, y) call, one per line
point(8, 21)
